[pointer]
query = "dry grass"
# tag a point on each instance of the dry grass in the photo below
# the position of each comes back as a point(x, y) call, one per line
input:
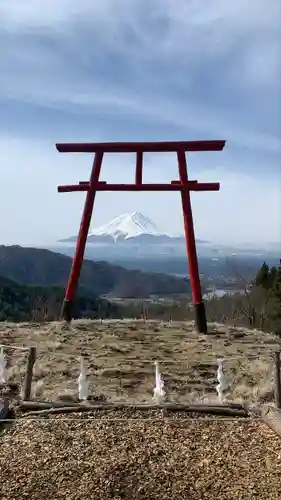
point(119, 358)
point(84, 457)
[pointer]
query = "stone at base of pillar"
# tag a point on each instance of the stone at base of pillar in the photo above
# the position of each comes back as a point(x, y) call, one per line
point(200, 318)
point(67, 310)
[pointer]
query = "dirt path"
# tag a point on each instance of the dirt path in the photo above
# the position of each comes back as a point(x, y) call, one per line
point(83, 458)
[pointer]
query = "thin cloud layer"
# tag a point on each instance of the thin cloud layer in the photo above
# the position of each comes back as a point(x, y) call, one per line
point(148, 69)
point(168, 61)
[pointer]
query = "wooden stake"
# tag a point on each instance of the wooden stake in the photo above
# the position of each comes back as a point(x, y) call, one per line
point(277, 379)
point(4, 408)
point(28, 374)
point(272, 417)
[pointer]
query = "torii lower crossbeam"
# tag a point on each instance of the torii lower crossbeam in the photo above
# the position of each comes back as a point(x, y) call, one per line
point(182, 185)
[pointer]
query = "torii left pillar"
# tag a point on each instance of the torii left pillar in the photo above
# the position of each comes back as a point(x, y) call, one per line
point(182, 185)
point(68, 304)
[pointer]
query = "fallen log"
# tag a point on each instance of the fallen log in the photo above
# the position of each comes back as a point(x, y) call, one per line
point(272, 417)
point(42, 405)
point(205, 409)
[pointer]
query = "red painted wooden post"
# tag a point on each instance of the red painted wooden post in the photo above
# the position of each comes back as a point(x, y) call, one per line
point(139, 168)
point(199, 306)
point(68, 304)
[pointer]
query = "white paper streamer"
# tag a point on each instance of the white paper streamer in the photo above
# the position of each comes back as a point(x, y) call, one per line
point(3, 364)
point(222, 385)
point(159, 393)
point(83, 384)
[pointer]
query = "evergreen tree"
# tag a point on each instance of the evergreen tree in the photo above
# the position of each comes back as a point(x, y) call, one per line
point(276, 288)
point(270, 281)
point(263, 277)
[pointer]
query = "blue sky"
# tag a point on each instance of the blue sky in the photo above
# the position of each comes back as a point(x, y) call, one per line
point(140, 70)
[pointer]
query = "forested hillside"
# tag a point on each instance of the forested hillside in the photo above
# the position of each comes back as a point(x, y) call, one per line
point(39, 277)
point(43, 267)
point(34, 302)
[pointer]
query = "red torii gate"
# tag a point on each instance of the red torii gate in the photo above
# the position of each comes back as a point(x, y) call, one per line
point(183, 185)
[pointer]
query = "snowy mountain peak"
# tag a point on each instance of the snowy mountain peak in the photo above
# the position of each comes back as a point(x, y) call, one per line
point(127, 226)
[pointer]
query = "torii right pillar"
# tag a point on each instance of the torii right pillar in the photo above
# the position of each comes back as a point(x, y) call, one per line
point(194, 276)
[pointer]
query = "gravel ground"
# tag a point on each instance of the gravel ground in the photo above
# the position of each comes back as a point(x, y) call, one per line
point(80, 457)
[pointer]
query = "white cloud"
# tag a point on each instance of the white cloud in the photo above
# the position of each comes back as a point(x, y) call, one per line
point(149, 29)
point(189, 26)
point(176, 34)
point(43, 83)
point(53, 53)
point(182, 19)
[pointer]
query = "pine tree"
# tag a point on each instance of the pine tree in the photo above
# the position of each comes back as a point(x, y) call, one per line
point(276, 288)
point(276, 293)
point(263, 277)
point(270, 281)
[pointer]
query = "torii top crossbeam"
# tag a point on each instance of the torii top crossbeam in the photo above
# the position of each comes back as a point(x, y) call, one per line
point(134, 147)
point(183, 185)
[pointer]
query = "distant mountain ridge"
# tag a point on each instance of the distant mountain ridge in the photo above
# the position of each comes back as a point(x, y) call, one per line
point(44, 267)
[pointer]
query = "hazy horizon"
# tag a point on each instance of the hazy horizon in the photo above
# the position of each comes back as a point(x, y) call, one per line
point(161, 229)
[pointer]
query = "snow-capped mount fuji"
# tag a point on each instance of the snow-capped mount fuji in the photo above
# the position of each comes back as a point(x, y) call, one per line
point(133, 236)
point(129, 227)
